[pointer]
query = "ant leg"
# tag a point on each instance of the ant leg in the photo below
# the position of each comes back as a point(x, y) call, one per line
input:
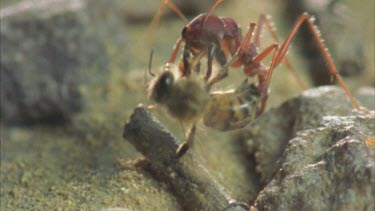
point(285, 45)
point(330, 63)
point(175, 50)
point(184, 65)
point(265, 52)
point(265, 19)
point(175, 9)
point(156, 18)
point(264, 91)
point(155, 21)
point(316, 34)
point(258, 31)
point(264, 76)
point(183, 148)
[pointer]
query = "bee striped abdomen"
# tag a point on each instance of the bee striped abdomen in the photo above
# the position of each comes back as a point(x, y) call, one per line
point(232, 110)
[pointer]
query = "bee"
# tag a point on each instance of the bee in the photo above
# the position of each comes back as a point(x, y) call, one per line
point(187, 100)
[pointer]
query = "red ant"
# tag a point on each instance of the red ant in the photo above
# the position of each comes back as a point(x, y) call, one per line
point(220, 38)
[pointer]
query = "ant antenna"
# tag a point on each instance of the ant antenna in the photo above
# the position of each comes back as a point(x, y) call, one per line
point(177, 11)
point(213, 8)
point(172, 6)
point(149, 67)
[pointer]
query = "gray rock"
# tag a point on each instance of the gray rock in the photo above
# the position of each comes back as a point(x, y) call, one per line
point(329, 167)
point(311, 153)
point(340, 31)
point(47, 48)
point(366, 95)
point(268, 136)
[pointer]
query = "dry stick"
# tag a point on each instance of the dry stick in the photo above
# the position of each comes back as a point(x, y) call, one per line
point(188, 177)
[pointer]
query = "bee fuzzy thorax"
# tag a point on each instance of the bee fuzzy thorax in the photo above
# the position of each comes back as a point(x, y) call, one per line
point(189, 100)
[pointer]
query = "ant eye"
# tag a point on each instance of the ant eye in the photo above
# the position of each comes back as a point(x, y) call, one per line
point(184, 31)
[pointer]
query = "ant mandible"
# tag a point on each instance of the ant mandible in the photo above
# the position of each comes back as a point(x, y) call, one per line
point(220, 38)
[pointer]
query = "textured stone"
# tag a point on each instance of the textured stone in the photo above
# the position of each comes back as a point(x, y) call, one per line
point(268, 136)
point(311, 153)
point(47, 48)
point(329, 167)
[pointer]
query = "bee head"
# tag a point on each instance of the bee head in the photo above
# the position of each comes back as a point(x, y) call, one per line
point(161, 87)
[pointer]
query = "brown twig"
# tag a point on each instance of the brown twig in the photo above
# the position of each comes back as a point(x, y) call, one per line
point(192, 183)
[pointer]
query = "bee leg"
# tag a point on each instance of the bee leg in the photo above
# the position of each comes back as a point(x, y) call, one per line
point(183, 148)
point(152, 107)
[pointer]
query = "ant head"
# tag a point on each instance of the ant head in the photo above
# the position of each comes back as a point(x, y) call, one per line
point(161, 87)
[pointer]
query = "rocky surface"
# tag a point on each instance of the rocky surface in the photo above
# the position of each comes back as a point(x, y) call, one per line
point(329, 167)
point(316, 157)
point(48, 50)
